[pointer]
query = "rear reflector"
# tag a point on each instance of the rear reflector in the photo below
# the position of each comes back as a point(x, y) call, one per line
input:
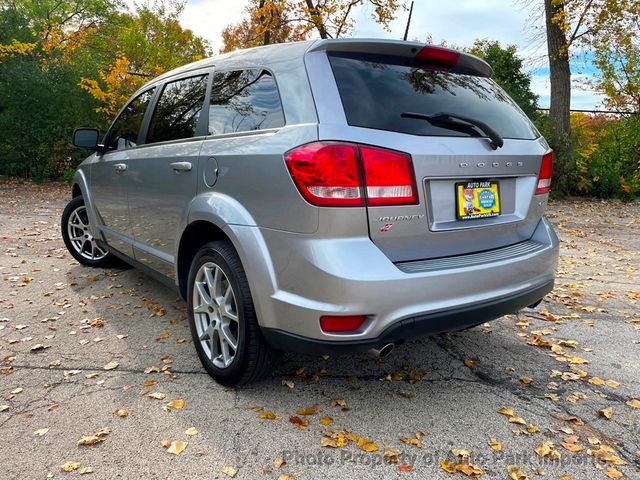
point(341, 174)
point(437, 56)
point(544, 176)
point(341, 324)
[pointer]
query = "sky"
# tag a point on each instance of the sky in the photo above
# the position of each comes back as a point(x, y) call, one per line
point(456, 22)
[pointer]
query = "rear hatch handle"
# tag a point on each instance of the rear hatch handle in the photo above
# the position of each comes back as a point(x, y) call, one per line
point(451, 121)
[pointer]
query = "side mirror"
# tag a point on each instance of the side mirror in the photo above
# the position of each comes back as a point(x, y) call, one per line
point(86, 138)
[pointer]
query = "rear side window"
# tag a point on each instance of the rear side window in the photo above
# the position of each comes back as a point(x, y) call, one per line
point(178, 110)
point(244, 100)
point(124, 131)
point(376, 90)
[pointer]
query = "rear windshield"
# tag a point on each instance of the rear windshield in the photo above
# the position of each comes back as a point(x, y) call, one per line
point(375, 91)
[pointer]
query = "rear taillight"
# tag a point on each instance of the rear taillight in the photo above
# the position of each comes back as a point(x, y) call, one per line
point(544, 176)
point(341, 324)
point(345, 175)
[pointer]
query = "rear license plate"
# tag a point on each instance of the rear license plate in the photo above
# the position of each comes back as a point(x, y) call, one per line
point(477, 199)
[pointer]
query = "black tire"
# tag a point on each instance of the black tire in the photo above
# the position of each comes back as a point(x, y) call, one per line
point(81, 253)
point(254, 357)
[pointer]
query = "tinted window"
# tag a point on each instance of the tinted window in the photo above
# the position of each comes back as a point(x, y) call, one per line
point(376, 90)
point(178, 110)
point(244, 100)
point(124, 131)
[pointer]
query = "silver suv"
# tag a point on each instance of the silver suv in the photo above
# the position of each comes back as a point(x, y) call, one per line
point(321, 196)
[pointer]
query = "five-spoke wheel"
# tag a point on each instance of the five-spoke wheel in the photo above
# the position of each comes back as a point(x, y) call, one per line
point(78, 238)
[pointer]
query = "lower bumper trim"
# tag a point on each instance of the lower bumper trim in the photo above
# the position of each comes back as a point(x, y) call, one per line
point(423, 325)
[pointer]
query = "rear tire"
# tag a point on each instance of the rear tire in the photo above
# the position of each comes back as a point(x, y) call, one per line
point(223, 320)
point(77, 236)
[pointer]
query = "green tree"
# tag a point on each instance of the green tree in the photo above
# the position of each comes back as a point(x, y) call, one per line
point(508, 73)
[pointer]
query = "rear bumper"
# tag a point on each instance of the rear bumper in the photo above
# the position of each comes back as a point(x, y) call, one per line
point(423, 325)
point(295, 279)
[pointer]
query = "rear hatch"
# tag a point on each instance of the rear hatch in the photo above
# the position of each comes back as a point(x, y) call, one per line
point(475, 155)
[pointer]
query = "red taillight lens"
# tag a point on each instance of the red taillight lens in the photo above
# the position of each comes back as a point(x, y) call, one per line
point(338, 174)
point(388, 177)
point(326, 173)
point(437, 56)
point(544, 176)
point(341, 324)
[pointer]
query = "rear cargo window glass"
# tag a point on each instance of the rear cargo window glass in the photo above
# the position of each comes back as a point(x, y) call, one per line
point(178, 110)
point(376, 90)
point(124, 131)
point(244, 100)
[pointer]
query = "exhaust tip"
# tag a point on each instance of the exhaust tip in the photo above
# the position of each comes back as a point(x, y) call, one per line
point(383, 351)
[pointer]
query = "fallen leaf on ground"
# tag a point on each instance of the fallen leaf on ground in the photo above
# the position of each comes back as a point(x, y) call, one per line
point(612, 472)
point(111, 365)
point(4, 407)
point(505, 411)
point(495, 444)
point(634, 403)
point(308, 411)
point(299, 422)
point(278, 462)
point(176, 404)
point(286, 476)
point(177, 447)
point(121, 412)
point(469, 363)
point(545, 449)
point(268, 415)
point(405, 467)
point(70, 466)
point(605, 412)
point(391, 454)
point(526, 380)
point(97, 437)
point(191, 431)
point(230, 471)
point(326, 420)
point(85, 470)
point(516, 474)
point(40, 432)
point(157, 395)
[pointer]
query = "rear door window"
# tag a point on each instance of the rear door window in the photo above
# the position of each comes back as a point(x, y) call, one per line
point(376, 90)
point(123, 133)
point(243, 101)
point(178, 110)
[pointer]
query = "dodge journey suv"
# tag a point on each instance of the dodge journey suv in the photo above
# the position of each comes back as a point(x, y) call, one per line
point(321, 196)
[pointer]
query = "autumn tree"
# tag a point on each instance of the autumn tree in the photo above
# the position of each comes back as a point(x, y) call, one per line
point(276, 21)
point(508, 73)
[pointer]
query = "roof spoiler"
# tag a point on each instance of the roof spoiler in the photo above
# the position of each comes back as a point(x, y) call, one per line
point(421, 54)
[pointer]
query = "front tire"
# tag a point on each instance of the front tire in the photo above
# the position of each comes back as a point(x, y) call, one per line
point(78, 238)
point(222, 318)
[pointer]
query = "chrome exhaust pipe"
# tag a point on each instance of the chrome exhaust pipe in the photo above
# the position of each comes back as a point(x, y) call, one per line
point(381, 352)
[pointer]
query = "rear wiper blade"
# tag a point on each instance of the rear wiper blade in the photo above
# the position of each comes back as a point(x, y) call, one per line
point(446, 120)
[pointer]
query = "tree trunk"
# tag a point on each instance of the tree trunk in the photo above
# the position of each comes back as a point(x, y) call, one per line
point(266, 36)
point(560, 75)
point(317, 19)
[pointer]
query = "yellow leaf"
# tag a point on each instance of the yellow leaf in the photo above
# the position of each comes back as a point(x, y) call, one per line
point(366, 445)
point(326, 420)
point(495, 444)
point(447, 466)
point(613, 472)
point(278, 462)
point(469, 363)
point(40, 432)
point(230, 471)
point(596, 381)
point(176, 404)
point(111, 365)
point(97, 437)
point(634, 403)
point(268, 415)
point(516, 474)
point(191, 431)
point(177, 447)
point(157, 395)
point(286, 476)
point(121, 412)
point(517, 420)
point(612, 383)
point(70, 466)
point(391, 454)
point(577, 360)
point(545, 449)
point(526, 380)
point(308, 411)
point(85, 470)
point(505, 411)
point(605, 412)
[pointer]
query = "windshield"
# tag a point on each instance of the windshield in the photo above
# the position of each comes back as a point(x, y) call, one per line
point(376, 90)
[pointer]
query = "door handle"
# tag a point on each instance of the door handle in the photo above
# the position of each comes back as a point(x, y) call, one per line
point(120, 167)
point(181, 166)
